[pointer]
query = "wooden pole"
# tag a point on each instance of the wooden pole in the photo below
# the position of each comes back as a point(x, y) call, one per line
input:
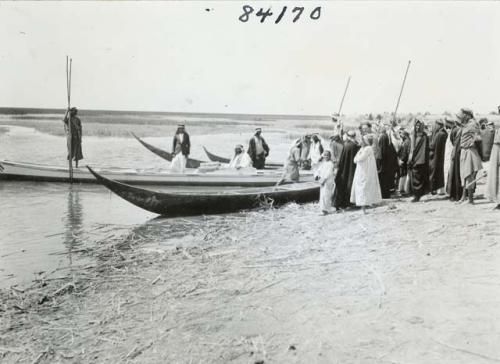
point(70, 146)
point(400, 93)
point(343, 96)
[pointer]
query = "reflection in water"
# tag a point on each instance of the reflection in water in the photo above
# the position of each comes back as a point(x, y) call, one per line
point(73, 222)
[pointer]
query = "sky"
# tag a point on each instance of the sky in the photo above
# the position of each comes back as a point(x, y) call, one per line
point(177, 56)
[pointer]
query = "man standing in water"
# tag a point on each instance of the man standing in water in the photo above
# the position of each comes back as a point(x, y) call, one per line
point(181, 149)
point(73, 124)
point(258, 150)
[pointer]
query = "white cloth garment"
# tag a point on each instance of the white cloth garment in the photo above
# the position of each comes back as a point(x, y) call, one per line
point(241, 160)
point(365, 186)
point(326, 176)
point(315, 154)
point(178, 164)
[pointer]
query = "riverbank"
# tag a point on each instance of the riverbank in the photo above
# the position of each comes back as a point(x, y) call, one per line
point(404, 283)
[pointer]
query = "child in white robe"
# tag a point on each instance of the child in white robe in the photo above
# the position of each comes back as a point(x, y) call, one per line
point(365, 186)
point(325, 174)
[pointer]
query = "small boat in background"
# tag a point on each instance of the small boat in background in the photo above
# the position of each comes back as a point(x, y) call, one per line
point(198, 203)
point(216, 158)
point(191, 163)
point(220, 177)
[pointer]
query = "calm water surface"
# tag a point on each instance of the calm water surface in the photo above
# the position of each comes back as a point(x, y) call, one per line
point(42, 225)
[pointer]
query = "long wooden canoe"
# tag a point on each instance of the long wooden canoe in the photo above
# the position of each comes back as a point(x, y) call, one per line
point(178, 204)
point(222, 177)
point(191, 163)
point(216, 158)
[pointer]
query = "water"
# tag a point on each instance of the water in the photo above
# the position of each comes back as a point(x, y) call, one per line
point(44, 225)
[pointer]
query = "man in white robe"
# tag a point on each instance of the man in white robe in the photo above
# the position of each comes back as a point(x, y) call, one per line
point(365, 189)
point(240, 159)
point(325, 174)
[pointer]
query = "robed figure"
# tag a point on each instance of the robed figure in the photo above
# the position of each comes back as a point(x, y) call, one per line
point(470, 159)
point(419, 162)
point(345, 173)
point(325, 175)
point(181, 147)
point(73, 127)
point(387, 164)
point(365, 188)
point(487, 137)
point(454, 186)
point(493, 183)
point(258, 149)
point(436, 156)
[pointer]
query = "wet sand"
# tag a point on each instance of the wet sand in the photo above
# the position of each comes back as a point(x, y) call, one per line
point(406, 283)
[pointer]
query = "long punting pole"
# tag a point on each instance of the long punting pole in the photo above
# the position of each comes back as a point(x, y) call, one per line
point(343, 96)
point(401, 93)
point(68, 89)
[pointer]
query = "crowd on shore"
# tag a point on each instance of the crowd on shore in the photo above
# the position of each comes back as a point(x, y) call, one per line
point(378, 161)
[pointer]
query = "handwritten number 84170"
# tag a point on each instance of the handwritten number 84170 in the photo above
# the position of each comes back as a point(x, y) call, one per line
point(296, 13)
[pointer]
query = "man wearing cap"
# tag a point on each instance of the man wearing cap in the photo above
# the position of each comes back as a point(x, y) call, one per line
point(470, 161)
point(345, 174)
point(73, 123)
point(258, 149)
point(240, 158)
point(181, 148)
point(437, 147)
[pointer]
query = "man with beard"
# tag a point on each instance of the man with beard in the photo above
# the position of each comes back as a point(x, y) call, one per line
point(419, 162)
point(387, 163)
point(258, 149)
point(436, 157)
point(454, 186)
point(345, 173)
point(240, 158)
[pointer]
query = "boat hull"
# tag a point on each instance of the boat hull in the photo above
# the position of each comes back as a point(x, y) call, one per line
point(42, 173)
point(190, 163)
point(182, 204)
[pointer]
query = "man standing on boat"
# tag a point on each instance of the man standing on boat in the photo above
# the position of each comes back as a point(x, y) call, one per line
point(74, 124)
point(258, 149)
point(180, 149)
point(240, 159)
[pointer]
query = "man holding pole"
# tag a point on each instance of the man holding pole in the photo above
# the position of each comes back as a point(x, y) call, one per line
point(73, 128)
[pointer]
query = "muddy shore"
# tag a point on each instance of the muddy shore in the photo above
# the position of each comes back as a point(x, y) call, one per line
point(406, 283)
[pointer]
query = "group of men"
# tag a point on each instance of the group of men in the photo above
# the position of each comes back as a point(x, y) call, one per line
point(413, 161)
point(407, 161)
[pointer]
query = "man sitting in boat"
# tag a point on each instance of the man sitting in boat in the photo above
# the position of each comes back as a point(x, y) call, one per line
point(240, 159)
point(181, 148)
point(258, 149)
point(73, 128)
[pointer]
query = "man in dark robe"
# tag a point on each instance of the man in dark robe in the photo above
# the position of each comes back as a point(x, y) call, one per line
point(454, 185)
point(403, 155)
point(345, 173)
point(436, 157)
point(419, 162)
point(387, 163)
point(336, 146)
point(487, 136)
point(73, 127)
point(258, 150)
